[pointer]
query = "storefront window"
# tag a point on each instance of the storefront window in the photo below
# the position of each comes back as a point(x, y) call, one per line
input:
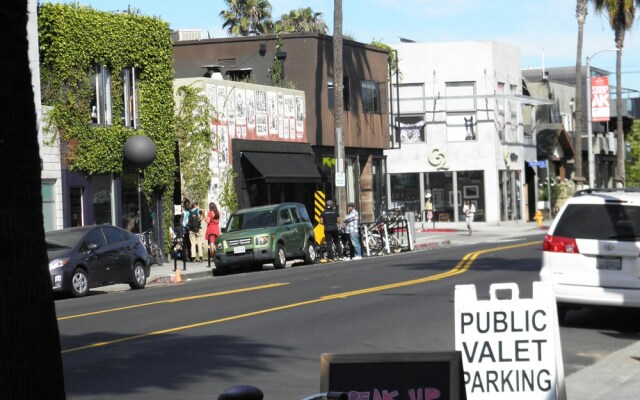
point(102, 199)
point(405, 192)
point(471, 187)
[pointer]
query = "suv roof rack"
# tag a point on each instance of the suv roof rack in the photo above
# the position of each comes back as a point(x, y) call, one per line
point(585, 192)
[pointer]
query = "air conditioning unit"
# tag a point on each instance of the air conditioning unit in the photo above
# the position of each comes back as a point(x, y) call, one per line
point(186, 34)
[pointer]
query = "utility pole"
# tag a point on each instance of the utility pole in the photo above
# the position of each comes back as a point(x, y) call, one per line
point(338, 85)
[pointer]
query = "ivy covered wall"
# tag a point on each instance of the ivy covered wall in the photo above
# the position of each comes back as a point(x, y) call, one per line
point(73, 39)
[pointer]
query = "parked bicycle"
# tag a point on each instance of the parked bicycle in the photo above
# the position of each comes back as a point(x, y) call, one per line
point(381, 237)
point(148, 238)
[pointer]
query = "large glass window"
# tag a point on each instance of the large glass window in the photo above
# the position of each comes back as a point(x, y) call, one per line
point(370, 97)
point(471, 188)
point(48, 206)
point(405, 192)
point(130, 115)
point(101, 98)
point(102, 186)
point(345, 93)
point(461, 111)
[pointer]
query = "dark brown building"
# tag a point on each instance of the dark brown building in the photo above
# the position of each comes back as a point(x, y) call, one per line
point(308, 66)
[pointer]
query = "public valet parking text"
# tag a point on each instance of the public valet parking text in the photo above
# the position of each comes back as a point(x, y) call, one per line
point(518, 353)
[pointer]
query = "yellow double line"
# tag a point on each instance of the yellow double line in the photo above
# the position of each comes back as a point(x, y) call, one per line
point(460, 268)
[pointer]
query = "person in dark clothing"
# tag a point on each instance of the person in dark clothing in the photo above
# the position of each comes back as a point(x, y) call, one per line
point(330, 219)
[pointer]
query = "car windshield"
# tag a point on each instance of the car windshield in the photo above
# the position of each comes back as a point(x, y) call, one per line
point(63, 239)
point(600, 222)
point(250, 220)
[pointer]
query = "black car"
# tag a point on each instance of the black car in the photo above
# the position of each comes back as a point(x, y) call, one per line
point(90, 256)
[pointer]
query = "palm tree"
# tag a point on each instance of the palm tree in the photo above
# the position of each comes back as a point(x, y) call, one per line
point(621, 15)
point(581, 16)
point(245, 17)
point(300, 21)
point(31, 365)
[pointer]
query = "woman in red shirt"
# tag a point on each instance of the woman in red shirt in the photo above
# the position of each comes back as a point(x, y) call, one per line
point(213, 226)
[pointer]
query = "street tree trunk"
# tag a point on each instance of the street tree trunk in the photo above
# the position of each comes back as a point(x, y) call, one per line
point(30, 358)
point(338, 89)
point(581, 16)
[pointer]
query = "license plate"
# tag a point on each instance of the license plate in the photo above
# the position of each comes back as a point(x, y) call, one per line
point(239, 249)
point(611, 263)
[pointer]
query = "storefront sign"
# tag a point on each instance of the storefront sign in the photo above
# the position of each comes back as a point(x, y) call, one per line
point(510, 347)
point(600, 99)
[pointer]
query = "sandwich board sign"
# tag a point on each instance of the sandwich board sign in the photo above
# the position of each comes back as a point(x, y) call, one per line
point(510, 347)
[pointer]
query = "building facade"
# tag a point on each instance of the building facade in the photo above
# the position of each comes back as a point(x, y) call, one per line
point(307, 66)
point(458, 132)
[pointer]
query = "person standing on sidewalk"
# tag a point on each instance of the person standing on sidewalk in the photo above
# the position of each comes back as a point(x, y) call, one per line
point(191, 222)
point(352, 220)
point(330, 219)
point(469, 210)
point(428, 209)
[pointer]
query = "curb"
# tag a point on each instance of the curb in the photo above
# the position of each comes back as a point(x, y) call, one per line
point(167, 279)
point(432, 245)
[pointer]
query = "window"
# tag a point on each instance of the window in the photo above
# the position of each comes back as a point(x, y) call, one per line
point(411, 129)
point(102, 199)
point(113, 235)
point(48, 206)
point(101, 98)
point(370, 97)
point(130, 115)
point(461, 111)
point(95, 236)
point(345, 93)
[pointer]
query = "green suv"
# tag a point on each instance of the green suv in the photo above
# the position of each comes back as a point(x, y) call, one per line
point(263, 235)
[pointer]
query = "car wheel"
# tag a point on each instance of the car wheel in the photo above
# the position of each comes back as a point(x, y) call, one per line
point(79, 283)
point(281, 257)
point(310, 255)
point(139, 277)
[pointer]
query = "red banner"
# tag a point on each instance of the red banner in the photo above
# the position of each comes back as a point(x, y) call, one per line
point(600, 99)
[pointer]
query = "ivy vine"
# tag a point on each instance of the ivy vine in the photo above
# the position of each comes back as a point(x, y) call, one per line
point(195, 140)
point(73, 39)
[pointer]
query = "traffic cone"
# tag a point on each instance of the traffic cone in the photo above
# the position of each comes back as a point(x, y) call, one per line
point(178, 278)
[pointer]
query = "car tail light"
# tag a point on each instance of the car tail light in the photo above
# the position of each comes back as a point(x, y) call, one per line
point(559, 244)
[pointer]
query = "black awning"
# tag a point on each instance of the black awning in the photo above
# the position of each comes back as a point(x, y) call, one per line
point(284, 167)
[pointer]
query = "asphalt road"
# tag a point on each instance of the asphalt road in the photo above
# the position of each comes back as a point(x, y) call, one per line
point(269, 329)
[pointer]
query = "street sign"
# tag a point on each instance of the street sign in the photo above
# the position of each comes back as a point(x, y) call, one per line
point(510, 347)
point(340, 179)
point(540, 164)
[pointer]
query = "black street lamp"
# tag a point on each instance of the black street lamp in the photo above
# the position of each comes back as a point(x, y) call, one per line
point(139, 151)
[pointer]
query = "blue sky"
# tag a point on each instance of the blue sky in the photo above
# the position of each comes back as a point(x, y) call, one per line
point(545, 31)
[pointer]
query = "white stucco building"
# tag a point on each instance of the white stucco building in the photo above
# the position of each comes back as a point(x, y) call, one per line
point(457, 115)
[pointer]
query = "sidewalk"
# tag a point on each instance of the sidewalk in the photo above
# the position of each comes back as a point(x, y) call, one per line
point(445, 234)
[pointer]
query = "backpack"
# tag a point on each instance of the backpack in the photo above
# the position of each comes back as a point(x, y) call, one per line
point(194, 220)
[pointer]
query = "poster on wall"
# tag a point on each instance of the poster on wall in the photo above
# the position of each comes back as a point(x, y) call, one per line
point(251, 110)
point(261, 125)
point(280, 114)
point(231, 114)
point(289, 108)
point(210, 92)
point(219, 104)
point(272, 104)
point(241, 108)
point(261, 101)
point(299, 116)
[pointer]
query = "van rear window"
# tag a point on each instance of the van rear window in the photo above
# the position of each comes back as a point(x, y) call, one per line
point(600, 222)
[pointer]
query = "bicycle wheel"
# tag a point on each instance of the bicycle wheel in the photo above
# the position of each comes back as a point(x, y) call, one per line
point(156, 255)
point(394, 244)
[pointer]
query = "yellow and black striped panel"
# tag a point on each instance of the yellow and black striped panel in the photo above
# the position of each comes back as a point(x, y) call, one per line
point(319, 204)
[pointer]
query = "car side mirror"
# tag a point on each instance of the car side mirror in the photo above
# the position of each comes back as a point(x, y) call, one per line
point(286, 221)
point(92, 246)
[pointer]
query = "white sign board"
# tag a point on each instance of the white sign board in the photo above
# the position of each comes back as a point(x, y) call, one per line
point(340, 179)
point(510, 347)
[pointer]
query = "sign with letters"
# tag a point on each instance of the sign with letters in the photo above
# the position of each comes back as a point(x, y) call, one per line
point(510, 347)
point(393, 376)
point(599, 98)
